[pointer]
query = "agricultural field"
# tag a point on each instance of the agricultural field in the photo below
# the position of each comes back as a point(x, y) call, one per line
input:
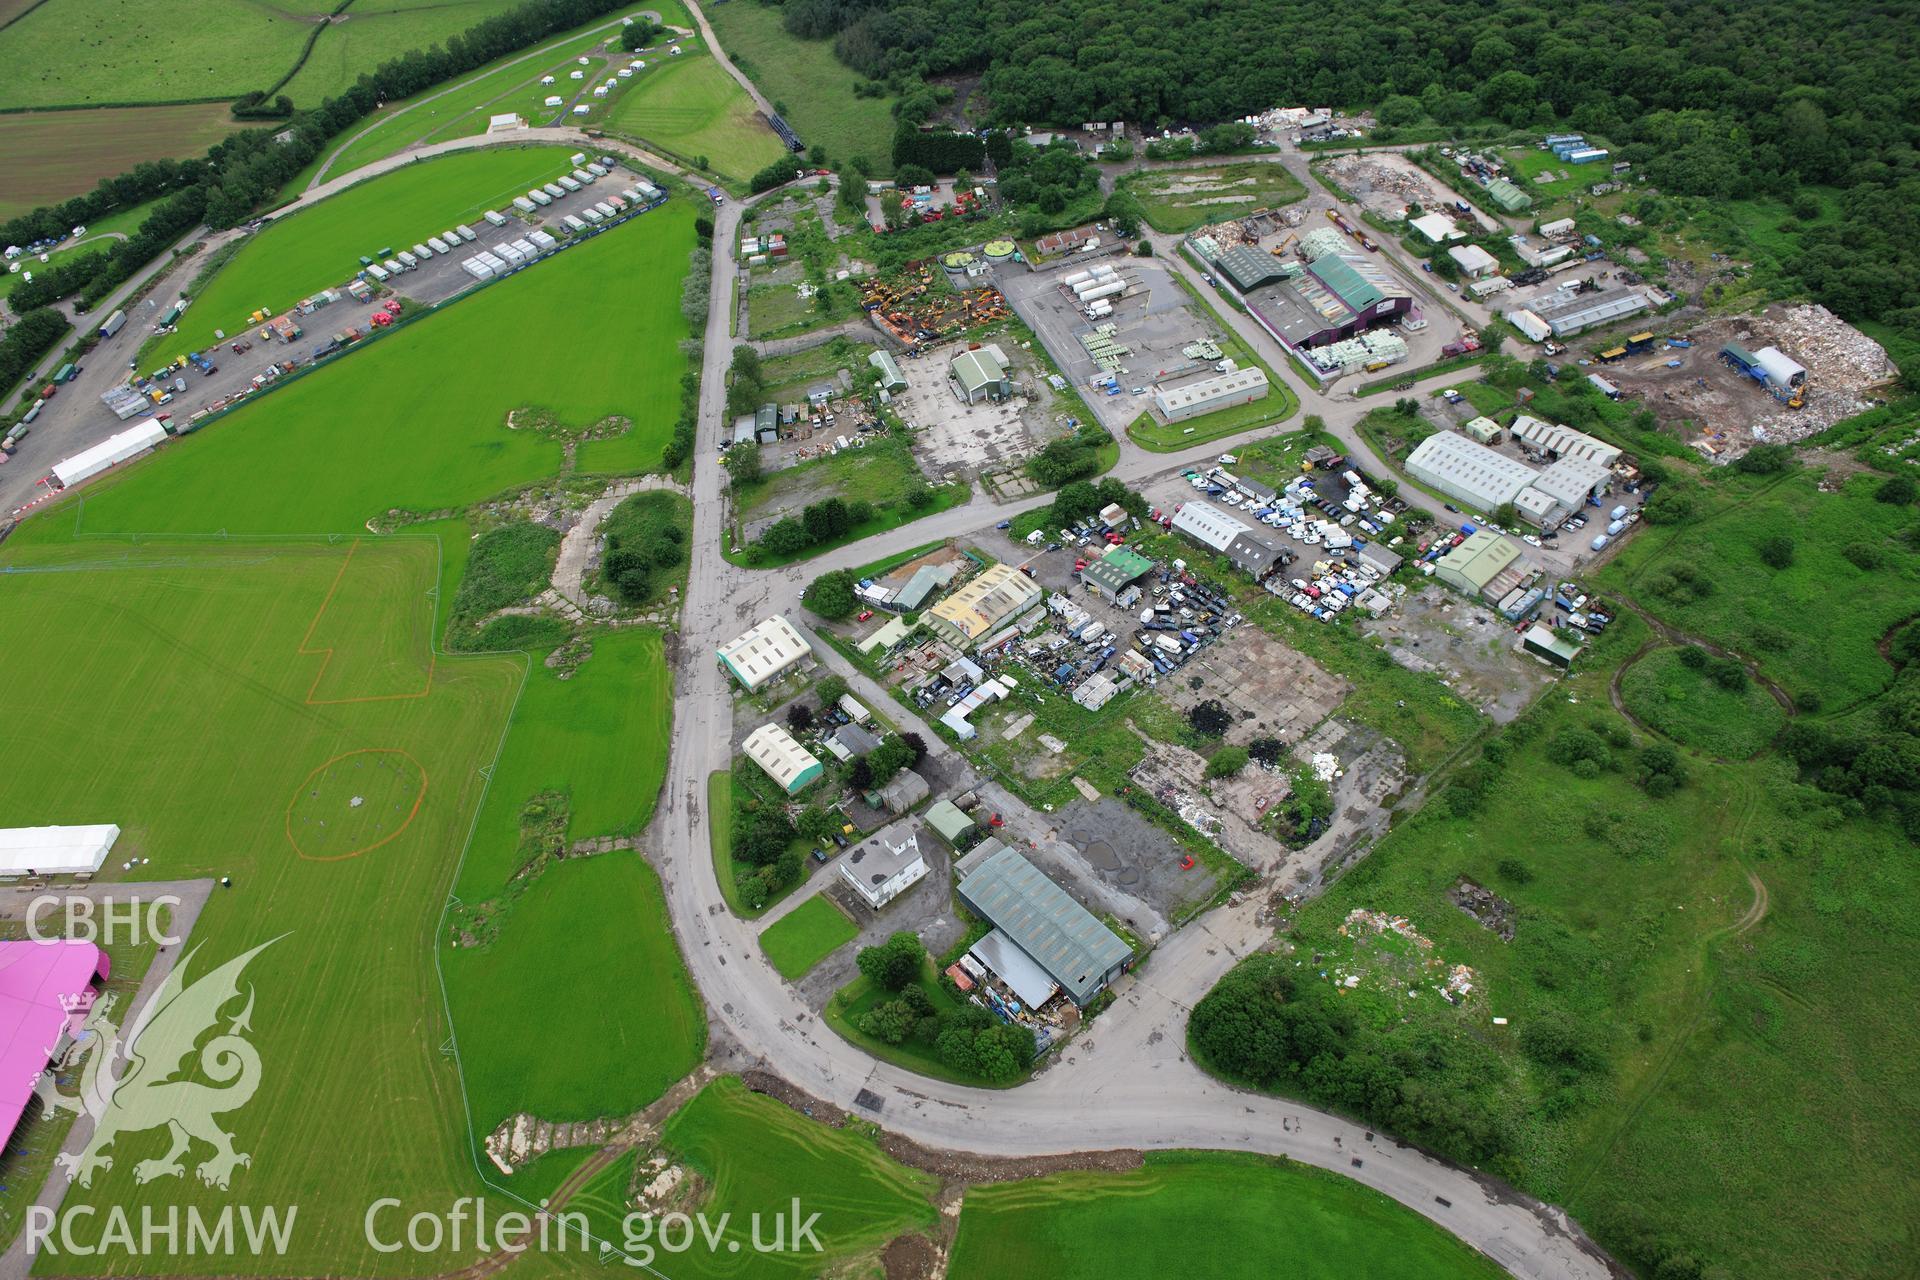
point(812, 88)
point(1263, 1218)
point(50, 156)
point(1180, 200)
point(368, 37)
point(1688, 706)
point(755, 1154)
point(690, 107)
point(341, 841)
point(806, 935)
point(321, 247)
point(94, 52)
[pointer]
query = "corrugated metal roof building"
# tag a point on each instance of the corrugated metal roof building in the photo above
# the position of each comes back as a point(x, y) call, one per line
point(1049, 927)
point(980, 375)
point(1221, 391)
point(1585, 310)
point(1469, 471)
point(763, 653)
point(783, 759)
point(998, 593)
point(891, 379)
point(1115, 571)
point(1508, 196)
point(1478, 562)
point(1563, 442)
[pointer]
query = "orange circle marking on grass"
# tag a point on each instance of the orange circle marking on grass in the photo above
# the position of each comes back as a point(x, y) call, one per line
point(305, 783)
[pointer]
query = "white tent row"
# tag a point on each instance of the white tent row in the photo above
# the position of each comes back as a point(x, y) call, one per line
point(114, 449)
point(55, 850)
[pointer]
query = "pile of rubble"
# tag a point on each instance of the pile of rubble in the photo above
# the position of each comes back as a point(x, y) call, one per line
point(1406, 184)
point(1842, 363)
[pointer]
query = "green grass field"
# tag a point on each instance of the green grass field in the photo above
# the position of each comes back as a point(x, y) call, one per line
point(86, 52)
point(589, 936)
point(806, 935)
point(815, 87)
point(371, 36)
point(197, 656)
point(1690, 708)
point(756, 1155)
point(426, 443)
point(321, 247)
point(1179, 200)
point(1261, 1218)
point(690, 107)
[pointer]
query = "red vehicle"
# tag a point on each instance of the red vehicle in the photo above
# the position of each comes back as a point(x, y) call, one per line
point(393, 306)
point(864, 615)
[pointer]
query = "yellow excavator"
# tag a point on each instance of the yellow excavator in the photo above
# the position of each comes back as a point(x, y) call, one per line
point(1280, 250)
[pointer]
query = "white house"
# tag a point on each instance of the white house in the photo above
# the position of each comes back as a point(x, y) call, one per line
point(882, 868)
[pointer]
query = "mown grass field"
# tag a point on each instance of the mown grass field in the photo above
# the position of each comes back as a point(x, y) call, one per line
point(1813, 626)
point(1179, 200)
point(806, 935)
point(232, 697)
point(371, 36)
point(589, 934)
point(1214, 1214)
point(401, 124)
point(383, 428)
point(815, 87)
point(691, 107)
point(1690, 708)
point(756, 1155)
point(50, 156)
point(321, 247)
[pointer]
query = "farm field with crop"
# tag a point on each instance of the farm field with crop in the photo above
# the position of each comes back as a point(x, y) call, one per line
point(806, 935)
point(756, 1154)
point(320, 247)
point(1263, 1218)
point(50, 156)
point(341, 840)
point(89, 52)
point(690, 108)
point(815, 87)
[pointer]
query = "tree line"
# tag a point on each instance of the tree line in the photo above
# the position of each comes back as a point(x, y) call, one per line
point(1707, 98)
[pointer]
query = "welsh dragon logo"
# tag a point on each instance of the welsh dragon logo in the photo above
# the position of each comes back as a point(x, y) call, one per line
point(148, 1092)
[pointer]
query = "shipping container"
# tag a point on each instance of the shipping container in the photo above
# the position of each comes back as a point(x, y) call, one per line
point(526, 248)
point(112, 326)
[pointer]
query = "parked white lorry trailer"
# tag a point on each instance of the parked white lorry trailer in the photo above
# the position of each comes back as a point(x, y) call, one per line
point(112, 326)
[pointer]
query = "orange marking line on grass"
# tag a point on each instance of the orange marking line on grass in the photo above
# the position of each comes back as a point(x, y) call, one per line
point(406, 822)
point(306, 651)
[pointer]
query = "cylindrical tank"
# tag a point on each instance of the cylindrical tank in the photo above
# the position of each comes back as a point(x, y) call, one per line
point(1075, 278)
point(1107, 290)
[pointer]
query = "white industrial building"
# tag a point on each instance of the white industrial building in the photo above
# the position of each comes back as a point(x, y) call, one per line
point(1438, 228)
point(1223, 390)
point(1467, 471)
point(1563, 442)
point(1483, 478)
point(782, 757)
point(1583, 311)
point(1251, 548)
point(882, 868)
point(1474, 261)
point(1531, 326)
point(762, 654)
point(55, 850)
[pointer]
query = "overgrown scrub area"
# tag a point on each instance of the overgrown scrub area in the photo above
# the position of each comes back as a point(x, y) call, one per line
point(897, 1010)
point(1706, 703)
point(507, 565)
point(647, 552)
point(1806, 583)
point(1678, 960)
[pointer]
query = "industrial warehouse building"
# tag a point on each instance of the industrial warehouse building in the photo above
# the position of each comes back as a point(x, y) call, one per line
point(1543, 643)
point(1221, 391)
point(1562, 442)
point(1252, 549)
point(1508, 196)
point(891, 379)
point(1486, 565)
point(1438, 228)
point(764, 653)
point(1000, 592)
point(1583, 311)
point(1474, 261)
point(783, 759)
point(980, 374)
point(1114, 572)
point(1484, 479)
point(1034, 918)
point(1310, 306)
